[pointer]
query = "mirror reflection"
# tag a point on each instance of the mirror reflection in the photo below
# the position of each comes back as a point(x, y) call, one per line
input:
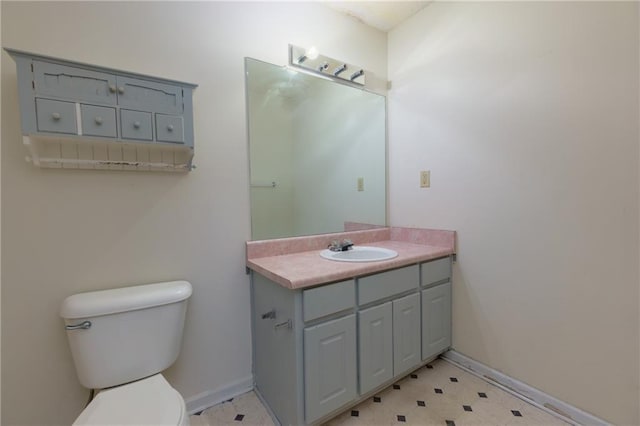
point(317, 154)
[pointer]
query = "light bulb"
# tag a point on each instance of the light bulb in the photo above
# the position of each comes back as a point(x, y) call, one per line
point(312, 53)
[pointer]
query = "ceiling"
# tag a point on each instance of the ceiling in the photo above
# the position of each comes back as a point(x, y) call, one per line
point(383, 15)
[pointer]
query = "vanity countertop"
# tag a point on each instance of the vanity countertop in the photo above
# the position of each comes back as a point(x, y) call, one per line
point(307, 268)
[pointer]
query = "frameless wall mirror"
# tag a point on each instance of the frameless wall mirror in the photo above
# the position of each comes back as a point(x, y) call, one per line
point(317, 153)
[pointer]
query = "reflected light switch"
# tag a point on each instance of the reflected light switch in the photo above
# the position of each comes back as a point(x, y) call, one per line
point(425, 179)
point(360, 184)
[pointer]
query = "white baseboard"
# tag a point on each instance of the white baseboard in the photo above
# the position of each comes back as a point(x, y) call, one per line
point(551, 405)
point(210, 398)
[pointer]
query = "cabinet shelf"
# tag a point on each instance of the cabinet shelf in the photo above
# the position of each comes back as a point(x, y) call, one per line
point(62, 153)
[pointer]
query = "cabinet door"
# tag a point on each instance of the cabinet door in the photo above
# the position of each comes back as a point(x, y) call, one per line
point(406, 333)
point(74, 83)
point(436, 320)
point(149, 95)
point(329, 366)
point(376, 346)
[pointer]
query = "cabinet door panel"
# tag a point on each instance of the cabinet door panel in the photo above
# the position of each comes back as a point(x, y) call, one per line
point(149, 95)
point(376, 346)
point(330, 366)
point(436, 320)
point(74, 83)
point(406, 333)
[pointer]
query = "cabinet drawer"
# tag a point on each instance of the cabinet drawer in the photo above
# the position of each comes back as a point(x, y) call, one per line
point(385, 284)
point(136, 125)
point(98, 121)
point(149, 95)
point(436, 270)
point(74, 83)
point(328, 299)
point(56, 116)
point(169, 128)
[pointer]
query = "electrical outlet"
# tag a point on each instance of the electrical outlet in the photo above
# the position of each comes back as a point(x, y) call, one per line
point(360, 184)
point(425, 179)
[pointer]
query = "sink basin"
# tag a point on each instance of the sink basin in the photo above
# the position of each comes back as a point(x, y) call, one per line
point(360, 254)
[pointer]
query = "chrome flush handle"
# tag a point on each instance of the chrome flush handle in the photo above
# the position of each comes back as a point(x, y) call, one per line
point(82, 326)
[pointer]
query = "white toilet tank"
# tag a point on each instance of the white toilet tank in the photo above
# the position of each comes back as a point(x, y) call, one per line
point(134, 332)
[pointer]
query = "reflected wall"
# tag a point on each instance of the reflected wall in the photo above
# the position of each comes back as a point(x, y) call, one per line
point(317, 153)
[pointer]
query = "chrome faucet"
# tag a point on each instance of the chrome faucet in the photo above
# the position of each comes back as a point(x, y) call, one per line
point(345, 245)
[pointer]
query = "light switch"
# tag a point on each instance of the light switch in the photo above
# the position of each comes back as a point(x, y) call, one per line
point(425, 179)
point(360, 184)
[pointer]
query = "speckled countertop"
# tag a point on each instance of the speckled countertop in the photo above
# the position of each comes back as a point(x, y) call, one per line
point(296, 263)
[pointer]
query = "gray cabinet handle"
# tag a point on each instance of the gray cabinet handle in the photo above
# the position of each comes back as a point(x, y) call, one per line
point(136, 124)
point(170, 127)
point(121, 90)
point(55, 116)
point(98, 120)
point(112, 88)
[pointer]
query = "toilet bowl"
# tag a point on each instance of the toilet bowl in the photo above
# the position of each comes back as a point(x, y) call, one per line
point(120, 340)
point(150, 401)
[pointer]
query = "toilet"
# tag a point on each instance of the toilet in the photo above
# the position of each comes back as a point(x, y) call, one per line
point(121, 339)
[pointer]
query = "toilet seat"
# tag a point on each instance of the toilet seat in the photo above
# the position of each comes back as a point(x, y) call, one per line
point(150, 401)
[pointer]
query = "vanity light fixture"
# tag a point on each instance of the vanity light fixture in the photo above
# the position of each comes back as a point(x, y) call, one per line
point(311, 61)
point(311, 54)
point(342, 68)
point(356, 75)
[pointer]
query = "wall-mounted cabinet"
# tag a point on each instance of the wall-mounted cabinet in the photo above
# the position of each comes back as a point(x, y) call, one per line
point(320, 350)
point(76, 115)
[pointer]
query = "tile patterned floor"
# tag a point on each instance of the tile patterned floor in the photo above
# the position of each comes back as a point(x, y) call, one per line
point(437, 394)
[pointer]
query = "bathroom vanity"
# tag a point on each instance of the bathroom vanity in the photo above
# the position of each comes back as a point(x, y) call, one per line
point(328, 334)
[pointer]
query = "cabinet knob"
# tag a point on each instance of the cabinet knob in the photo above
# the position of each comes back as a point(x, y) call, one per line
point(170, 127)
point(55, 116)
point(112, 88)
point(98, 120)
point(136, 124)
point(121, 90)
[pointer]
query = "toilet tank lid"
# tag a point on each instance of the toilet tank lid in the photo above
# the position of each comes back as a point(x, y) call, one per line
point(105, 302)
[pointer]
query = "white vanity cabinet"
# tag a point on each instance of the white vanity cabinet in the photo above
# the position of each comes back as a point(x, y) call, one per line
point(320, 350)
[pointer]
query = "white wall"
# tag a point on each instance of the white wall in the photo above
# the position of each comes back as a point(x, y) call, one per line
point(72, 231)
point(526, 113)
